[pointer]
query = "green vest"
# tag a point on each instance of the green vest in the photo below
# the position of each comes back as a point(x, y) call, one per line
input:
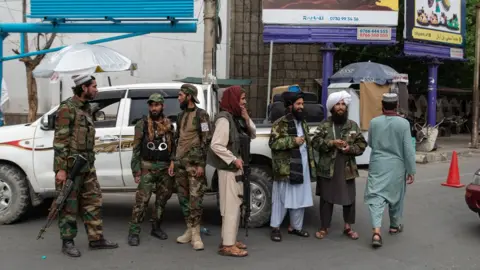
point(233, 145)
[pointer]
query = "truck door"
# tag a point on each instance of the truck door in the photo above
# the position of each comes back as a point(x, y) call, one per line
point(107, 109)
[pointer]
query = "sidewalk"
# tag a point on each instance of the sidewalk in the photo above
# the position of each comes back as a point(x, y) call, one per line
point(445, 147)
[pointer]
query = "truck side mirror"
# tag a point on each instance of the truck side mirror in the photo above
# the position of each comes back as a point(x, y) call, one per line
point(100, 116)
point(48, 122)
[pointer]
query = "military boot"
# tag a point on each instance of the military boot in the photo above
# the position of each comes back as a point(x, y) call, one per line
point(133, 239)
point(157, 231)
point(186, 237)
point(68, 248)
point(102, 244)
point(197, 243)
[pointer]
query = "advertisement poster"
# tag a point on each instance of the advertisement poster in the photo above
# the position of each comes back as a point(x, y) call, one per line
point(331, 12)
point(436, 21)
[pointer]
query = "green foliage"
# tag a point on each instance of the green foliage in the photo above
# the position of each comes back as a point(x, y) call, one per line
point(451, 73)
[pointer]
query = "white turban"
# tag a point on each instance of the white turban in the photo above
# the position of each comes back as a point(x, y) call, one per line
point(336, 97)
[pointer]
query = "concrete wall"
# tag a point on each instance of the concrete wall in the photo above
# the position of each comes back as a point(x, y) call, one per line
point(160, 58)
point(292, 63)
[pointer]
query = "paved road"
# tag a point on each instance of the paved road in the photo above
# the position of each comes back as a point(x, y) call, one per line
point(441, 233)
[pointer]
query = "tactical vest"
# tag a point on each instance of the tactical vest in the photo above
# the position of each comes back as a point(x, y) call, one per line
point(235, 138)
point(82, 134)
point(157, 149)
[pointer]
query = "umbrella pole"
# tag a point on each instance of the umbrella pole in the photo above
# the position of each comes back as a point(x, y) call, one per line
point(327, 71)
point(269, 90)
point(2, 37)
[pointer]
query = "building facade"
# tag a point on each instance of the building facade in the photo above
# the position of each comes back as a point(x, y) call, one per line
point(249, 57)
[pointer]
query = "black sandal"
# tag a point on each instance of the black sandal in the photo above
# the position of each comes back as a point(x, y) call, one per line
point(377, 243)
point(275, 235)
point(397, 230)
point(301, 233)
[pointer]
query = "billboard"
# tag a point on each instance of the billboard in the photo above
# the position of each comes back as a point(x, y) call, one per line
point(331, 12)
point(436, 21)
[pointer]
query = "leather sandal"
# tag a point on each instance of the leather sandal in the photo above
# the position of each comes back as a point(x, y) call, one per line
point(301, 233)
point(321, 234)
point(377, 243)
point(232, 251)
point(275, 235)
point(351, 233)
point(238, 244)
point(395, 230)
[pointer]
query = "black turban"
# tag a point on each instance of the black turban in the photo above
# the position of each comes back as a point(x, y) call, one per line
point(290, 97)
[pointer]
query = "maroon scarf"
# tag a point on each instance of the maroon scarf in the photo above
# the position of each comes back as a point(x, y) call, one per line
point(231, 100)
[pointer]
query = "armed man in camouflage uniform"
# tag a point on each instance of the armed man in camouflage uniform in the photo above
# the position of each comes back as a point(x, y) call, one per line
point(75, 134)
point(152, 147)
point(193, 135)
point(338, 140)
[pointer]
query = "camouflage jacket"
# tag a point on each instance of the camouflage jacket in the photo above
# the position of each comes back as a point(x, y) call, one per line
point(321, 142)
point(137, 164)
point(281, 143)
point(74, 134)
point(196, 156)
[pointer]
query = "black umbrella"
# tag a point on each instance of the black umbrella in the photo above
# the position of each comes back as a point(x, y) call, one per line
point(366, 72)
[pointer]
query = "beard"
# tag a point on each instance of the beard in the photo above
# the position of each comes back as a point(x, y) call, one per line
point(339, 118)
point(184, 105)
point(88, 96)
point(299, 114)
point(155, 115)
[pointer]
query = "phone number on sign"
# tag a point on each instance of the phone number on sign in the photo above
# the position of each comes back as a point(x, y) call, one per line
point(377, 35)
point(344, 19)
point(374, 31)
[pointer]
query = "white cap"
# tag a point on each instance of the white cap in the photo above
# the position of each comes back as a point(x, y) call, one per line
point(390, 97)
point(81, 79)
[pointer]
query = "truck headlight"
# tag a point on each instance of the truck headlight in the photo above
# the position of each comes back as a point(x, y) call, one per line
point(476, 178)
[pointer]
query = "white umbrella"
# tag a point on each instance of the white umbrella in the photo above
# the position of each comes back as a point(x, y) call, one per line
point(82, 59)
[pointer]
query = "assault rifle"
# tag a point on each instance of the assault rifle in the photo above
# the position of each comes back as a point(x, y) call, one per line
point(59, 203)
point(246, 204)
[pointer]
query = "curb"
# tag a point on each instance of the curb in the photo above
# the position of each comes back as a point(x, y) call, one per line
point(431, 157)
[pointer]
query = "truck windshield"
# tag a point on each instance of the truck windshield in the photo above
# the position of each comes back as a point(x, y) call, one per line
point(139, 108)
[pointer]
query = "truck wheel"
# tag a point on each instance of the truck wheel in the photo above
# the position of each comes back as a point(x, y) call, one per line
point(14, 194)
point(261, 196)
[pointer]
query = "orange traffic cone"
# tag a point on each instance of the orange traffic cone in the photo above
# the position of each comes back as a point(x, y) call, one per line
point(453, 179)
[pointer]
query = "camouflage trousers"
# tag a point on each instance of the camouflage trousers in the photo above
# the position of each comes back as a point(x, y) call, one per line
point(86, 198)
point(190, 191)
point(151, 180)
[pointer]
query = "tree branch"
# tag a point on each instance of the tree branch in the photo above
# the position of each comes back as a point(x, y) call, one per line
point(47, 46)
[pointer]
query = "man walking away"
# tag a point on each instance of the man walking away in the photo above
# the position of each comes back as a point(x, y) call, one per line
point(293, 164)
point(392, 166)
point(152, 147)
point(233, 127)
point(193, 136)
point(75, 134)
point(338, 141)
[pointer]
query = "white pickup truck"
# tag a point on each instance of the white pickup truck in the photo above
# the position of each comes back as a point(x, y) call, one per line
point(26, 153)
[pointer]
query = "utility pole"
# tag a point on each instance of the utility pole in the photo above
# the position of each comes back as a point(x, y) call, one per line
point(210, 12)
point(474, 142)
